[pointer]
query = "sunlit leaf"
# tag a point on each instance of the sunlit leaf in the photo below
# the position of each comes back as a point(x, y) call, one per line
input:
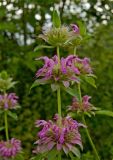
point(56, 19)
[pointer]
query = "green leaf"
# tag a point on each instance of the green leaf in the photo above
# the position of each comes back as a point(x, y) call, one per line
point(42, 46)
point(2, 128)
point(90, 80)
point(82, 28)
point(72, 92)
point(19, 157)
point(56, 19)
point(72, 157)
point(54, 87)
point(104, 112)
point(52, 154)
point(1, 111)
point(13, 115)
point(76, 151)
point(39, 82)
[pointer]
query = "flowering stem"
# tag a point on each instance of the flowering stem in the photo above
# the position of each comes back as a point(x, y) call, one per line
point(59, 156)
point(75, 51)
point(87, 132)
point(6, 125)
point(58, 90)
point(90, 140)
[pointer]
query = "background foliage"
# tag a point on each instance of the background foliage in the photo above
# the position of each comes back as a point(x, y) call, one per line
point(20, 23)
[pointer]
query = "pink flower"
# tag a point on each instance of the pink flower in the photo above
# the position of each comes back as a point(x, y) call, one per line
point(75, 28)
point(9, 149)
point(70, 69)
point(8, 101)
point(62, 136)
point(85, 106)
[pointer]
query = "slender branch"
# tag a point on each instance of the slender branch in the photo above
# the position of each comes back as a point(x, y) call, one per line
point(75, 51)
point(6, 125)
point(87, 132)
point(90, 140)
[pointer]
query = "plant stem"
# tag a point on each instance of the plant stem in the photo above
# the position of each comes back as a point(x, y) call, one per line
point(90, 140)
point(75, 51)
point(87, 132)
point(59, 101)
point(6, 125)
point(58, 54)
point(58, 90)
point(59, 157)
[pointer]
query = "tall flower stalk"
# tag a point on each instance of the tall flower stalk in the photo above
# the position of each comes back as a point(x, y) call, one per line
point(59, 97)
point(84, 121)
point(6, 125)
point(58, 90)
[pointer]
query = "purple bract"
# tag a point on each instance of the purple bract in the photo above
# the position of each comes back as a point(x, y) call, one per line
point(9, 149)
point(84, 106)
point(8, 101)
point(64, 136)
point(70, 69)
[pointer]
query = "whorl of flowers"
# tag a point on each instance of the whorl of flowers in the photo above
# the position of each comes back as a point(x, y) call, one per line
point(10, 148)
point(61, 36)
point(70, 69)
point(64, 136)
point(8, 101)
point(84, 106)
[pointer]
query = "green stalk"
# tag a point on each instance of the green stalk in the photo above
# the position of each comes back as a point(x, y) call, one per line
point(75, 51)
point(58, 90)
point(6, 125)
point(59, 98)
point(90, 140)
point(87, 132)
point(59, 157)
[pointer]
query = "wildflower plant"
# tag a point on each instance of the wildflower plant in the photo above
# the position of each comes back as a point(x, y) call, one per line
point(62, 135)
point(10, 149)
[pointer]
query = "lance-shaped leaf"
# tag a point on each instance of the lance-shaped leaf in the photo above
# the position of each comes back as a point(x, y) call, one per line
point(52, 154)
point(2, 128)
point(76, 151)
point(104, 113)
point(90, 80)
point(56, 19)
point(43, 46)
point(72, 92)
point(13, 115)
point(40, 82)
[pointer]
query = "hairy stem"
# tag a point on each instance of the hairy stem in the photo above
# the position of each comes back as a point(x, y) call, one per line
point(87, 132)
point(6, 125)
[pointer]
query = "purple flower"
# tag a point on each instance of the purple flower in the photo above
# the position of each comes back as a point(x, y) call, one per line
point(62, 136)
point(85, 106)
point(8, 101)
point(70, 69)
point(75, 28)
point(10, 148)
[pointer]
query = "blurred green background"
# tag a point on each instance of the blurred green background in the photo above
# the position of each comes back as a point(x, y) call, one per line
point(20, 23)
